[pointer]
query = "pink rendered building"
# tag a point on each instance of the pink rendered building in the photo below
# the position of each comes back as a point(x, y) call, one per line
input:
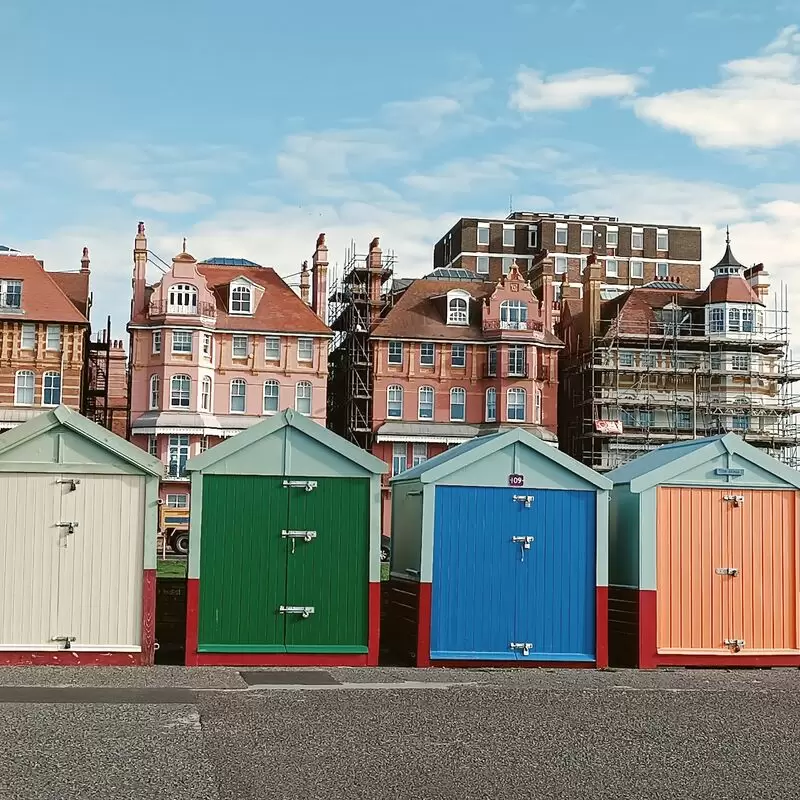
point(217, 345)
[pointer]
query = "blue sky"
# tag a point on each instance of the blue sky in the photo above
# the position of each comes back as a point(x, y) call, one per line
point(250, 127)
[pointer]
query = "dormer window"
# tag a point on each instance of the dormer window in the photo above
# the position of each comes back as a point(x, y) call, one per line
point(457, 308)
point(513, 315)
point(182, 299)
point(241, 299)
point(11, 294)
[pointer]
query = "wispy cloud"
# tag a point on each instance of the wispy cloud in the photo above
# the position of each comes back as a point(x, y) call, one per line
point(171, 202)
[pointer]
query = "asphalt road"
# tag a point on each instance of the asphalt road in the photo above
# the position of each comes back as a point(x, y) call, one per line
point(173, 734)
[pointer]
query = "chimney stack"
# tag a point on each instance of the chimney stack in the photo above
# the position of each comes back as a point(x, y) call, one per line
point(375, 270)
point(85, 260)
point(305, 284)
point(319, 279)
point(591, 294)
point(139, 271)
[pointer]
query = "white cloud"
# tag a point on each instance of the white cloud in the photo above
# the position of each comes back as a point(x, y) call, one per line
point(755, 105)
point(171, 202)
point(426, 115)
point(569, 90)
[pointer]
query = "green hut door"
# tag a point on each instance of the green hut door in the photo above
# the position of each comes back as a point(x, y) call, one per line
point(284, 565)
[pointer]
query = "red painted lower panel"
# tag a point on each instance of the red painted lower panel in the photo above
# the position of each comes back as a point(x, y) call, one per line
point(601, 615)
point(69, 658)
point(650, 658)
point(148, 617)
point(374, 640)
point(192, 620)
point(424, 630)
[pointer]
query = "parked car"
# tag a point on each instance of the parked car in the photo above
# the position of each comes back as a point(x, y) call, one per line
point(386, 548)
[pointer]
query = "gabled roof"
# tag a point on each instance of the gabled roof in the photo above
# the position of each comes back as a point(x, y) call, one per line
point(287, 419)
point(43, 298)
point(65, 417)
point(671, 460)
point(451, 461)
point(75, 286)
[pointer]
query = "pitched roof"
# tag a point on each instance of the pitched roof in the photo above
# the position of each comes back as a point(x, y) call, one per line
point(75, 285)
point(730, 289)
point(43, 298)
point(416, 315)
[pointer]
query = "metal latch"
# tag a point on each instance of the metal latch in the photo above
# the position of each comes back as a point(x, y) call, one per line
point(727, 571)
point(306, 536)
point(525, 647)
point(307, 485)
point(523, 498)
point(73, 482)
point(524, 542)
point(70, 526)
point(304, 611)
point(736, 644)
point(65, 639)
point(736, 499)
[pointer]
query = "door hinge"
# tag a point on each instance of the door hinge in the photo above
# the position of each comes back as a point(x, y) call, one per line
point(65, 639)
point(309, 486)
point(735, 644)
point(70, 526)
point(524, 647)
point(304, 611)
point(736, 499)
point(527, 499)
point(734, 571)
point(73, 482)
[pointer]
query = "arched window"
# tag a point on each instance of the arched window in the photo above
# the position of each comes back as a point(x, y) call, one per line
point(180, 391)
point(491, 405)
point(425, 408)
point(238, 396)
point(515, 405)
point(241, 300)
point(182, 299)
point(513, 315)
point(205, 394)
point(537, 407)
point(155, 386)
point(457, 310)
point(458, 404)
point(272, 393)
point(24, 383)
point(302, 398)
point(51, 389)
point(394, 402)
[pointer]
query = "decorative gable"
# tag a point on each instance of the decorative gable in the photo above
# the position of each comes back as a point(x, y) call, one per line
point(513, 306)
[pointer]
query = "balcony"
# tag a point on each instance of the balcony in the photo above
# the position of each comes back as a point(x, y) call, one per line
point(508, 373)
point(164, 308)
point(532, 326)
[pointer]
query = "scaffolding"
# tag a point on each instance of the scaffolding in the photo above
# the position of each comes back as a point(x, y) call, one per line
point(644, 383)
point(96, 378)
point(356, 301)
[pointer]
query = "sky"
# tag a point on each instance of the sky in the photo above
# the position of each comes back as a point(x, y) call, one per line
point(250, 127)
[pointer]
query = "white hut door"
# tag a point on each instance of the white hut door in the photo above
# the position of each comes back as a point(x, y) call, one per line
point(100, 568)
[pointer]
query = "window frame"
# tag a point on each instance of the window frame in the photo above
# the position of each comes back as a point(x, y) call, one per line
point(183, 333)
point(457, 316)
point(562, 229)
point(517, 391)
point(297, 398)
point(584, 232)
point(156, 342)
point(479, 262)
point(533, 237)
point(18, 375)
point(394, 359)
point(51, 374)
point(29, 327)
point(458, 391)
point(662, 265)
point(53, 329)
point(422, 347)
point(609, 272)
point(271, 383)
point(510, 309)
point(490, 417)
point(399, 457)
point(305, 341)
point(427, 390)
point(612, 238)
point(662, 234)
point(517, 360)
point(640, 264)
point(640, 233)
point(206, 393)
point(184, 504)
point(560, 265)
point(394, 403)
point(513, 231)
point(245, 291)
point(180, 406)
point(239, 337)
point(207, 346)
point(416, 457)
point(5, 293)
point(462, 349)
point(181, 291)
point(238, 383)
point(482, 227)
point(267, 349)
point(154, 393)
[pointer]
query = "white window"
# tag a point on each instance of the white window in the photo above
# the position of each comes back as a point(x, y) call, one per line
point(272, 392)
point(419, 453)
point(747, 320)
point(394, 402)
point(427, 352)
point(612, 268)
point(741, 422)
point(180, 391)
point(28, 338)
point(181, 341)
point(272, 348)
point(587, 237)
point(561, 234)
point(177, 455)
point(399, 457)
point(716, 321)
point(156, 341)
point(492, 360)
point(238, 396)
point(513, 315)
point(10, 294)
point(457, 311)
point(152, 445)
point(516, 405)
point(482, 265)
point(51, 389)
point(612, 237)
point(24, 383)
point(395, 353)
point(537, 408)
point(205, 394)
point(53, 337)
point(240, 347)
point(302, 398)
point(683, 419)
point(305, 349)
point(637, 269)
point(483, 233)
point(508, 262)
point(517, 360)
point(637, 239)
point(556, 292)
point(734, 323)
point(662, 240)
point(662, 269)
point(509, 236)
point(208, 344)
point(458, 405)
point(625, 358)
point(491, 405)
point(561, 265)
point(177, 501)
point(425, 409)
point(648, 360)
point(458, 355)
point(582, 267)
point(203, 444)
point(155, 383)
point(241, 300)
point(533, 237)
point(740, 363)
point(182, 299)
